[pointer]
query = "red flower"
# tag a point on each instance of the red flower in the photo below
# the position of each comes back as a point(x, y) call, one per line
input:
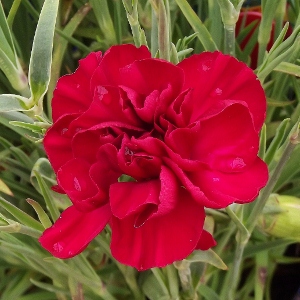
point(186, 134)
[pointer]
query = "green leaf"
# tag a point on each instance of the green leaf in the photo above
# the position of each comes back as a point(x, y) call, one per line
point(49, 287)
point(21, 216)
point(5, 36)
point(14, 74)
point(22, 157)
point(54, 212)
point(262, 142)
point(277, 140)
point(208, 293)
point(197, 25)
point(33, 127)
point(279, 52)
point(229, 13)
point(38, 296)
point(11, 102)
point(290, 169)
point(43, 167)
point(275, 103)
point(41, 55)
point(208, 256)
point(288, 68)
point(152, 289)
point(104, 20)
point(17, 285)
point(5, 143)
point(43, 217)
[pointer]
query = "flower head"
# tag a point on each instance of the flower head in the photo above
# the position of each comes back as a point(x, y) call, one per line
point(186, 134)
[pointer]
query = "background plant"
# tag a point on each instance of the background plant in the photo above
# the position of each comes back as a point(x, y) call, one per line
point(42, 40)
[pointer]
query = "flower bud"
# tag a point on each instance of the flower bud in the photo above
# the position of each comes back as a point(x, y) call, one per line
point(281, 217)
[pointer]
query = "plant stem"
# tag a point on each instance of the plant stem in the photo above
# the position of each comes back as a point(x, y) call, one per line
point(257, 210)
point(163, 32)
point(229, 39)
point(235, 270)
point(172, 281)
point(242, 237)
point(262, 199)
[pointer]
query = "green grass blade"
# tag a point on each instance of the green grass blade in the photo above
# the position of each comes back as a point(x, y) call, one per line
point(202, 32)
point(21, 216)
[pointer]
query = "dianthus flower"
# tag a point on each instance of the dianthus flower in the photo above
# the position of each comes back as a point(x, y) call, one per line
point(185, 136)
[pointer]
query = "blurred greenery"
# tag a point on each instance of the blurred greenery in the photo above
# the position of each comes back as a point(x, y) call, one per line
point(26, 270)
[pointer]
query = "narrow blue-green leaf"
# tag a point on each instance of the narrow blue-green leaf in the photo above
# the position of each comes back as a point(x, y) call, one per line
point(288, 68)
point(33, 127)
point(262, 142)
point(43, 217)
point(208, 293)
point(12, 13)
point(13, 72)
point(202, 32)
point(104, 20)
point(22, 157)
point(277, 140)
point(208, 256)
point(6, 117)
point(9, 102)
point(5, 143)
point(152, 289)
point(54, 212)
point(5, 36)
point(20, 215)
point(38, 296)
point(290, 169)
point(49, 287)
point(41, 54)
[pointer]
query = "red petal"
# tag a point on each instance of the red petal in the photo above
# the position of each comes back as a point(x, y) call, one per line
point(73, 231)
point(150, 75)
point(72, 93)
point(226, 188)
point(227, 142)
point(216, 77)
point(161, 240)
point(136, 162)
point(129, 197)
point(74, 177)
point(206, 241)
point(114, 59)
point(57, 142)
point(106, 171)
point(106, 111)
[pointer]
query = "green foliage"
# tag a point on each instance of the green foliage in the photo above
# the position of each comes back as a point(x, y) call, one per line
point(44, 39)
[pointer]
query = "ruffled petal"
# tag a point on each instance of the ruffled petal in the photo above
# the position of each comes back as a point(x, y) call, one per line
point(222, 189)
point(114, 59)
point(145, 199)
point(75, 179)
point(107, 110)
point(86, 144)
point(148, 75)
point(137, 162)
point(227, 142)
point(161, 240)
point(214, 78)
point(74, 230)
point(127, 198)
point(72, 93)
